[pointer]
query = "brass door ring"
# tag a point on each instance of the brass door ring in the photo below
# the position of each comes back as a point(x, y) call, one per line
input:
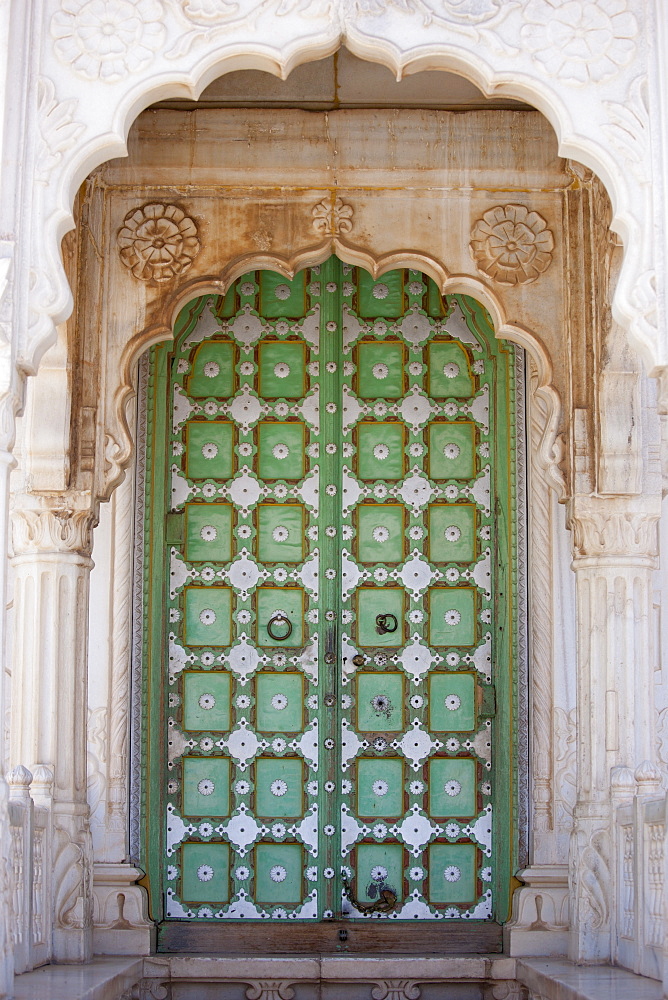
point(279, 619)
point(383, 626)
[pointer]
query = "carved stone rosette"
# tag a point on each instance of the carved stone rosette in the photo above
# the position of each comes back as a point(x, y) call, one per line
point(511, 244)
point(158, 242)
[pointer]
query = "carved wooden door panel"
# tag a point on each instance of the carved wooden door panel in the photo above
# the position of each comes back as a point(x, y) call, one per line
point(325, 615)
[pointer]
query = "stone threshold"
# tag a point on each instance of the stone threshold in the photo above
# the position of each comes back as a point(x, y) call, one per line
point(105, 978)
point(558, 979)
point(108, 977)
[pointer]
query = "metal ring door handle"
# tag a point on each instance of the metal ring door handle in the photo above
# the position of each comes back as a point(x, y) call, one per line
point(278, 620)
point(383, 626)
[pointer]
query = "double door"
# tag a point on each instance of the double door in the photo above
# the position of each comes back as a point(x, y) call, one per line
point(329, 495)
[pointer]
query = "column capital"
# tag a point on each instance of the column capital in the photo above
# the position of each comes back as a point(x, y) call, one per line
point(48, 530)
point(615, 527)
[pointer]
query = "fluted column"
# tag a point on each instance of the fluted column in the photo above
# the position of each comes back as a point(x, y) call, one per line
point(49, 702)
point(615, 551)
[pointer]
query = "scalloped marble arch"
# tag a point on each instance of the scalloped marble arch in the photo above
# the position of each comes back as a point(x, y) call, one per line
point(478, 55)
point(173, 302)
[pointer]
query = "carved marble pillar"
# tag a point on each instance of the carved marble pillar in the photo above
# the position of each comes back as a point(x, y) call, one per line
point(615, 549)
point(52, 565)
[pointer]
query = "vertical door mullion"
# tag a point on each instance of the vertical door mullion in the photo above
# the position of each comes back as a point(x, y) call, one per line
point(329, 539)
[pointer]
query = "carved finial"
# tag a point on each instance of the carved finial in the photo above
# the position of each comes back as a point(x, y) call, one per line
point(622, 782)
point(19, 776)
point(648, 777)
point(332, 220)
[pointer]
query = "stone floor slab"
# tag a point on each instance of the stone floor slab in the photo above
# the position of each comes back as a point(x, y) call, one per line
point(557, 979)
point(103, 979)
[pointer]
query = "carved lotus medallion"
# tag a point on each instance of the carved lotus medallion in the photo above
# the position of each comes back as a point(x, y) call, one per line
point(512, 244)
point(158, 242)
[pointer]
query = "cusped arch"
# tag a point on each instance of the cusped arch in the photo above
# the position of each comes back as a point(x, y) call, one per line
point(487, 48)
point(120, 443)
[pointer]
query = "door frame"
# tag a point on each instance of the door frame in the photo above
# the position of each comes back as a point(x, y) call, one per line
point(364, 937)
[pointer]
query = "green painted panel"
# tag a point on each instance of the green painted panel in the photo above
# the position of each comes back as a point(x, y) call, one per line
point(281, 450)
point(212, 370)
point(224, 306)
point(452, 873)
point(380, 450)
point(452, 616)
point(452, 451)
point(279, 701)
point(278, 873)
point(280, 534)
point(286, 601)
point(448, 367)
point(208, 532)
point(378, 867)
point(206, 873)
point(452, 702)
point(282, 369)
point(384, 297)
point(380, 787)
point(279, 787)
point(380, 700)
point(206, 701)
point(206, 786)
point(209, 449)
point(452, 529)
point(435, 303)
point(380, 369)
point(373, 601)
point(452, 787)
point(208, 616)
point(281, 297)
point(380, 532)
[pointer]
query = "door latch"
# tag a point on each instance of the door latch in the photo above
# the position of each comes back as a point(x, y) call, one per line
point(386, 623)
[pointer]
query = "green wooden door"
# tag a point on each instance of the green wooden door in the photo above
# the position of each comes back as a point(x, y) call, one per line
point(328, 612)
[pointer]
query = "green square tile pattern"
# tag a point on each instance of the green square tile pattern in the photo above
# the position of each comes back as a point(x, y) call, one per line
point(373, 601)
point(281, 450)
point(280, 532)
point(205, 873)
point(450, 537)
point(206, 786)
point(452, 532)
point(452, 873)
point(452, 450)
point(279, 702)
point(380, 297)
point(380, 699)
point(380, 532)
point(452, 616)
point(452, 702)
point(380, 450)
point(282, 297)
point(380, 369)
point(209, 449)
point(208, 535)
point(448, 370)
point(380, 787)
point(452, 787)
point(206, 701)
point(378, 866)
point(286, 600)
point(208, 616)
point(282, 369)
point(213, 370)
point(279, 787)
point(279, 873)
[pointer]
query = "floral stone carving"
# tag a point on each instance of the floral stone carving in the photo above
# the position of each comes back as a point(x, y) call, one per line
point(332, 220)
point(512, 244)
point(158, 242)
point(107, 39)
point(578, 41)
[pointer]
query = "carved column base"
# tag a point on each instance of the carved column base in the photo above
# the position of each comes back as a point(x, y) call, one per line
point(590, 901)
point(539, 922)
point(72, 852)
point(120, 915)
